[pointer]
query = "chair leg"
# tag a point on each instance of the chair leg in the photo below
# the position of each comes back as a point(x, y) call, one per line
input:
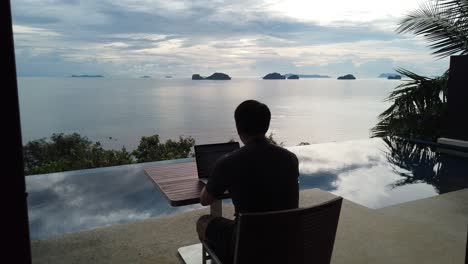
point(204, 257)
point(208, 254)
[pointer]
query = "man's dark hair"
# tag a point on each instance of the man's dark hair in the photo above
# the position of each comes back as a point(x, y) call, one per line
point(252, 117)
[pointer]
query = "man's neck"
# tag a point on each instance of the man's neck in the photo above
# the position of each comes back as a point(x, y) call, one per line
point(252, 139)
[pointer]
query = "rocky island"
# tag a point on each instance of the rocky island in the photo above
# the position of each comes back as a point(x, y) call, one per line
point(214, 76)
point(293, 77)
point(347, 77)
point(145, 77)
point(218, 76)
point(390, 76)
point(87, 76)
point(274, 76)
point(197, 77)
point(386, 75)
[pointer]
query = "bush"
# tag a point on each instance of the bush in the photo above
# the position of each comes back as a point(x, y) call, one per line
point(270, 138)
point(151, 149)
point(64, 152)
point(75, 152)
point(69, 152)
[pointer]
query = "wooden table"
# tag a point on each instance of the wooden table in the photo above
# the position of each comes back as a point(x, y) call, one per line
point(180, 185)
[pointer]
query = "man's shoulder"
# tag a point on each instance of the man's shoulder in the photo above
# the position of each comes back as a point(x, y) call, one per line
point(284, 151)
point(231, 156)
point(247, 152)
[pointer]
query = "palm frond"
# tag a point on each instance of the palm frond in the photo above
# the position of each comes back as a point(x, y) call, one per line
point(462, 4)
point(418, 108)
point(444, 25)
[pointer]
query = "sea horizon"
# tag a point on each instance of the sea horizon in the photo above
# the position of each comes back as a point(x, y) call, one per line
point(118, 111)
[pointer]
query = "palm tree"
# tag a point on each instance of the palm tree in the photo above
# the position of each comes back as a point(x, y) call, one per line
point(420, 105)
point(419, 108)
point(443, 23)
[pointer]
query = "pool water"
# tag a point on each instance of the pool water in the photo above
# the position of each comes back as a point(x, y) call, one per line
point(374, 173)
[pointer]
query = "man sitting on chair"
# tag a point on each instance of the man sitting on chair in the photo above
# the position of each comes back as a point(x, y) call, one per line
point(259, 176)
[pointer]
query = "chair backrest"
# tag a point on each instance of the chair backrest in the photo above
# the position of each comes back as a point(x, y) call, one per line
point(303, 235)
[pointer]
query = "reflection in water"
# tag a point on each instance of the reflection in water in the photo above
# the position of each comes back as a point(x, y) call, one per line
point(373, 173)
point(378, 173)
point(73, 201)
point(417, 163)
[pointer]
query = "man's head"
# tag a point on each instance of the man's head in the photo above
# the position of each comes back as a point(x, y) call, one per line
point(252, 119)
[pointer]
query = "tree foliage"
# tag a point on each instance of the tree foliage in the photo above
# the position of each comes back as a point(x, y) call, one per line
point(270, 138)
point(419, 108)
point(152, 149)
point(64, 152)
point(443, 23)
point(69, 152)
point(420, 105)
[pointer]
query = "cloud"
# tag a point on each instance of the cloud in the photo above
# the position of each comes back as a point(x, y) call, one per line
point(247, 38)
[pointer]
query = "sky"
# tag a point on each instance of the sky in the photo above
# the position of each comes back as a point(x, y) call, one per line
point(243, 38)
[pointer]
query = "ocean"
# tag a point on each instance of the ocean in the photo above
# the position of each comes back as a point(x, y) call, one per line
point(118, 112)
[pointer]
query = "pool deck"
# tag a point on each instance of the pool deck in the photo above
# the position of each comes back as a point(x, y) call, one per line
point(431, 230)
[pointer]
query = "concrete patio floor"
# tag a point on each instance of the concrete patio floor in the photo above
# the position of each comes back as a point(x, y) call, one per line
point(431, 230)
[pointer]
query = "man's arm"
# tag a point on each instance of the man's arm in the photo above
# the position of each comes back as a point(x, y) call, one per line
point(218, 183)
point(206, 198)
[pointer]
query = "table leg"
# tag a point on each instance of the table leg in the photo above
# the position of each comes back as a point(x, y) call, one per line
point(216, 208)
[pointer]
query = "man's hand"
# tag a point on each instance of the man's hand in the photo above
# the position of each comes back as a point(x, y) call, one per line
point(206, 198)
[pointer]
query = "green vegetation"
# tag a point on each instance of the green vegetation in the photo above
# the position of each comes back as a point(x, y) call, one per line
point(444, 23)
point(64, 152)
point(420, 105)
point(152, 149)
point(69, 152)
point(418, 111)
point(273, 141)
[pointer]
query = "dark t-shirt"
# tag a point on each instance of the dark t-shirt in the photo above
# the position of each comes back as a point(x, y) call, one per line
point(259, 176)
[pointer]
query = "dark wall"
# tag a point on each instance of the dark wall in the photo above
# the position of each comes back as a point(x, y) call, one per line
point(14, 228)
point(458, 97)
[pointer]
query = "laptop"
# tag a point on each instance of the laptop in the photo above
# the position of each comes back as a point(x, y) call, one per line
point(207, 155)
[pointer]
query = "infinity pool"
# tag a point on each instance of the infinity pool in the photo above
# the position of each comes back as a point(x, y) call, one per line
point(374, 173)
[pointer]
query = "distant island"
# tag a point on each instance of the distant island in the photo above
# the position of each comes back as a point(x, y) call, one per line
point(197, 77)
point(394, 77)
point(218, 76)
point(214, 76)
point(307, 75)
point(274, 76)
point(293, 77)
point(145, 77)
point(347, 77)
point(386, 75)
point(168, 76)
point(87, 76)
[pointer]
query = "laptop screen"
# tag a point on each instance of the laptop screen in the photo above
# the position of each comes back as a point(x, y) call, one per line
point(207, 155)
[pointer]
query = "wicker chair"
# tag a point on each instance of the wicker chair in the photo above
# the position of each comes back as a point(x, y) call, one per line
point(303, 235)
